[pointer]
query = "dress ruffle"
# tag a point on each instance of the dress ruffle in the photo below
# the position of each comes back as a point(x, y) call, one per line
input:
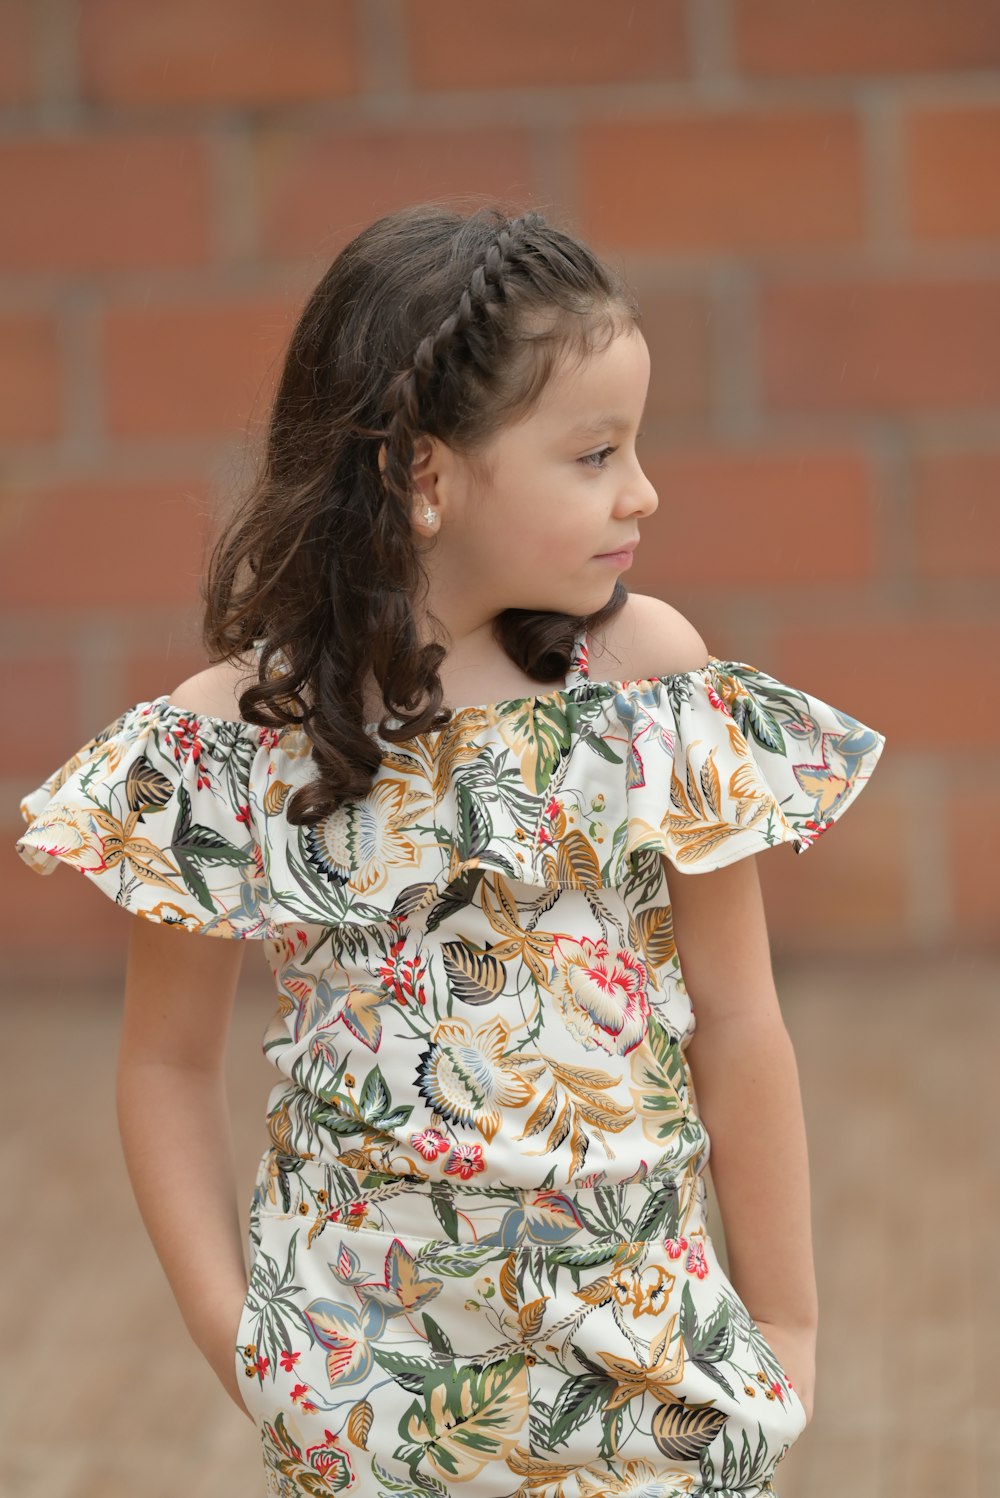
point(154, 809)
point(179, 817)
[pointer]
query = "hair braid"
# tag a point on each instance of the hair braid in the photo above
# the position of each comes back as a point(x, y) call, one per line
point(486, 291)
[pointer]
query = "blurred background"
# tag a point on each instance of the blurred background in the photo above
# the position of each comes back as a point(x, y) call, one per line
point(806, 199)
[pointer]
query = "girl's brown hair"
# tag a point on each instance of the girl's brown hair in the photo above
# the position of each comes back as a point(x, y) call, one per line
point(428, 321)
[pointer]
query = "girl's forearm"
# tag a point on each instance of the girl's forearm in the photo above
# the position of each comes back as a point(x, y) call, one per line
point(177, 1140)
point(747, 1092)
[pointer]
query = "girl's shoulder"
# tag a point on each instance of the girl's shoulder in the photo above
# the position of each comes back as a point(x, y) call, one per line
point(215, 691)
point(647, 638)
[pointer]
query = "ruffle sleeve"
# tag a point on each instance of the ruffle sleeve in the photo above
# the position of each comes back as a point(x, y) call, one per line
point(727, 761)
point(578, 789)
point(155, 810)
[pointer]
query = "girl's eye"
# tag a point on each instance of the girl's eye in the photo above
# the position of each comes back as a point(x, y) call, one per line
point(600, 456)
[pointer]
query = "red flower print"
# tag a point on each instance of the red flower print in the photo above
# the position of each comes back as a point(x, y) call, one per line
point(404, 977)
point(330, 1461)
point(267, 738)
point(262, 1365)
point(430, 1144)
point(353, 1214)
point(184, 740)
point(716, 700)
point(288, 1359)
point(243, 815)
point(696, 1261)
point(554, 808)
point(779, 1391)
point(675, 1246)
point(601, 998)
point(466, 1160)
point(298, 1391)
point(810, 830)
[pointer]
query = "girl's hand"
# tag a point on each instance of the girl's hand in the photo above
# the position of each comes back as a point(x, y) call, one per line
point(219, 1348)
point(795, 1349)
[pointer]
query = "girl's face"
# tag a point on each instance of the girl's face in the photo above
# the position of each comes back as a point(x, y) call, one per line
point(566, 486)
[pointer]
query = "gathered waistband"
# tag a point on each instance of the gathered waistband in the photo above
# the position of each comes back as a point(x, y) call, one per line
point(657, 1207)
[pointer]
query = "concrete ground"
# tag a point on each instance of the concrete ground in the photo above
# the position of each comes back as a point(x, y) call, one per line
point(105, 1396)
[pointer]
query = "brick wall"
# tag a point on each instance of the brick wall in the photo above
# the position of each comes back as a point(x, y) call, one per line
point(806, 199)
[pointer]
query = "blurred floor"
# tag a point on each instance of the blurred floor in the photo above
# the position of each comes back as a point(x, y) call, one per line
point(105, 1396)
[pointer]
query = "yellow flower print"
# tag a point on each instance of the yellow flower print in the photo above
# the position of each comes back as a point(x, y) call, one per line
point(363, 839)
point(655, 1377)
point(466, 1076)
point(644, 1291)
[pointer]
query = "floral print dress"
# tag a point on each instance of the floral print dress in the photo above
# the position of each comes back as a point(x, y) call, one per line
point(479, 1257)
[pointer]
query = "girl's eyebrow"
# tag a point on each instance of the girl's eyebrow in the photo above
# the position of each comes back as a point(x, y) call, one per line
point(590, 426)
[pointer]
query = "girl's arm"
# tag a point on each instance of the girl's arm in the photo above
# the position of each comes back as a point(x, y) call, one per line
point(175, 1126)
point(747, 1093)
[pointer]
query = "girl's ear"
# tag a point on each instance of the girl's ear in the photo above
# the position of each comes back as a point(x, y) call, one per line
point(423, 449)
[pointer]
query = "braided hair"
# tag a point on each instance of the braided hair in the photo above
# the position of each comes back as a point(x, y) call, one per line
point(429, 321)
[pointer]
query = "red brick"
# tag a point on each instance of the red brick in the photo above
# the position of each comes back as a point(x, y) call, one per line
point(103, 544)
point(849, 890)
point(677, 327)
point(19, 72)
point(923, 682)
point(885, 345)
point(190, 370)
point(956, 514)
point(318, 190)
point(973, 817)
point(776, 38)
point(746, 520)
point(570, 42)
point(731, 180)
point(41, 725)
point(227, 52)
point(951, 173)
point(30, 377)
point(93, 202)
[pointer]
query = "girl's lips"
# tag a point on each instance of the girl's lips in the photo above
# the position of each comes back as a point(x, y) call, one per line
point(618, 558)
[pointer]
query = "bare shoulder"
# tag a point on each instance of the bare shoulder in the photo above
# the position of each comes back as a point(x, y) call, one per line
point(647, 637)
point(215, 692)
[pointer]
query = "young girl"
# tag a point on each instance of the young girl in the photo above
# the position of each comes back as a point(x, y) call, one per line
point(455, 779)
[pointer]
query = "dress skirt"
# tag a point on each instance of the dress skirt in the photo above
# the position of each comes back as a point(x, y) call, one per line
point(417, 1337)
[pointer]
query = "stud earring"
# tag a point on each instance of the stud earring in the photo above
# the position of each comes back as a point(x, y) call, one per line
point(430, 515)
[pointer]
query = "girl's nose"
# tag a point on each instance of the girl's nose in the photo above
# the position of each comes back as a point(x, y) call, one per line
point(646, 495)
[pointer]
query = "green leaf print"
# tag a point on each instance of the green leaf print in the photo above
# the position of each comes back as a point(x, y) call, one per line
point(468, 1418)
point(660, 1082)
point(660, 1217)
point(272, 1306)
point(194, 844)
point(474, 827)
point(456, 1259)
point(585, 1255)
point(601, 747)
point(408, 1371)
point(444, 1210)
point(437, 1337)
point(372, 1113)
point(580, 1397)
point(421, 1485)
point(710, 1342)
